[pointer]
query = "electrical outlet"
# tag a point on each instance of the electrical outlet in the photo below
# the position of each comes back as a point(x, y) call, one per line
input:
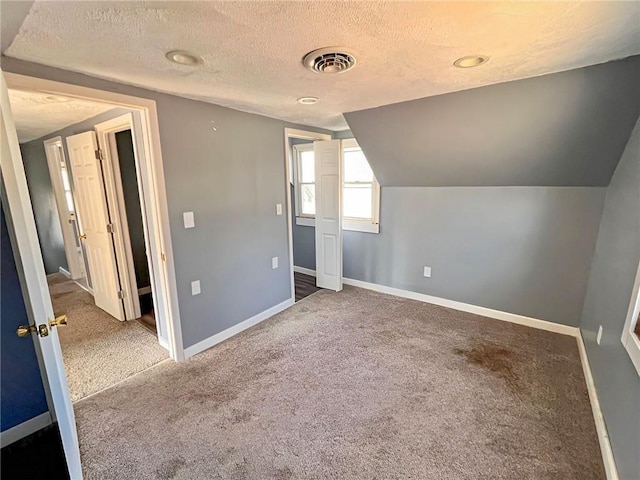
point(195, 287)
point(427, 271)
point(599, 336)
point(274, 262)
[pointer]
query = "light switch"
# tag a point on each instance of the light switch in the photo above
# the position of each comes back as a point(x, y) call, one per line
point(274, 262)
point(195, 287)
point(278, 209)
point(189, 221)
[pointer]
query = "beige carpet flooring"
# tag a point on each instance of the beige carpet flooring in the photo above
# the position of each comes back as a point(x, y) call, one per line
point(353, 385)
point(98, 350)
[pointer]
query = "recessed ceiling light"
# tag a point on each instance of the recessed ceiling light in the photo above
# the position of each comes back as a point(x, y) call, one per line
point(307, 100)
point(471, 61)
point(330, 60)
point(182, 57)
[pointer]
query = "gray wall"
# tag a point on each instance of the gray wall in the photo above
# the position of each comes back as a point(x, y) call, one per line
point(41, 191)
point(524, 250)
point(44, 206)
point(608, 298)
point(565, 129)
point(231, 178)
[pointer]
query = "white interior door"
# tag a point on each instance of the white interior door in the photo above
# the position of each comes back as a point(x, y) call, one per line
point(91, 205)
point(31, 270)
point(64, 202)
point(328, 170)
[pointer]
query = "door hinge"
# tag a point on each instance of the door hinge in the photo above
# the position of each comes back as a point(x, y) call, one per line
point(121, 295)
point(109, 227)
point(99, 155)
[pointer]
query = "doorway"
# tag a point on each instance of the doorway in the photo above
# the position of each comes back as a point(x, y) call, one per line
point(300, 175)
point(104, 288)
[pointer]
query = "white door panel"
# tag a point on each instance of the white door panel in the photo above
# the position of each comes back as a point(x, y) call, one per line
point(328, 170)
point(34, 281)
point(92, 209)
point(55, 159)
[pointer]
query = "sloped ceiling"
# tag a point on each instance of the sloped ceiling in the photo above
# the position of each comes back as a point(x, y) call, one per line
point(37, 114)
point(252, 50)
point(565, 129)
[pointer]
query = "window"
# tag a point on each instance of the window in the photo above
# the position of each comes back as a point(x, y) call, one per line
point(305, 181)
point(631, 331)
point(360, 189)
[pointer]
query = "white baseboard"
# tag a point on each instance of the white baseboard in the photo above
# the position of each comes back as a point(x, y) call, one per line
point(603, 437)
point(306, 271)
point(231, 331)
point(465, 307)
point(25, 429)
point(64, 272)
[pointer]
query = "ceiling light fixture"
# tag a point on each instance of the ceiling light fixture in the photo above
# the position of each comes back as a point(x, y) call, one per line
point(308, 100)
point(471, 61)
point(182, 57)
point(330, 60)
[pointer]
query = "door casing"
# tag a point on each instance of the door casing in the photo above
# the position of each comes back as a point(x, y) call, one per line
point(304, 135)
point(160, 252)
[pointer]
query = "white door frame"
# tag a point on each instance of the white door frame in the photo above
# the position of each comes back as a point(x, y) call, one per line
point(22, 227)
point(303, 135)
point(117, 210)
point(54, 151)
point(155, 200)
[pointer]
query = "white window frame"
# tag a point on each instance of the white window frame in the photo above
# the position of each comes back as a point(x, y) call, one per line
point(350, 224)
point(297, 153)
point(358, 224)
point(629, 339)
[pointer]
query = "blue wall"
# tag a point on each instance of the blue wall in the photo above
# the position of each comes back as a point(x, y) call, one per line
point(22, 394)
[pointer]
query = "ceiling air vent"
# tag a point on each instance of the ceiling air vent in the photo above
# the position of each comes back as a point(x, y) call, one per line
point(329, 60)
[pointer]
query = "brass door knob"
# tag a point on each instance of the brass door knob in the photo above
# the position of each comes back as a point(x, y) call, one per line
point(59, 321)
point(25, 330)
point(83, 236)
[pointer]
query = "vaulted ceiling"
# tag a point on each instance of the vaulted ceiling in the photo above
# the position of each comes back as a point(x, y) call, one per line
point(565, 129)
point(252, 51)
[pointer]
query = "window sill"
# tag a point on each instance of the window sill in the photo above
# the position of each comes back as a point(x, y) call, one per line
point(365, 227)
point(306, 221)
point(348, 225)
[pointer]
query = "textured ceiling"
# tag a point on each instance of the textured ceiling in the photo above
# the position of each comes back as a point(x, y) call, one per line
point(252, 50)
point(37, 114)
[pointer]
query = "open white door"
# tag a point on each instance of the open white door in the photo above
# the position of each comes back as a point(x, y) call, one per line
point(328, 170)
point(64, 202)
point(31, 269)
point(91, 204)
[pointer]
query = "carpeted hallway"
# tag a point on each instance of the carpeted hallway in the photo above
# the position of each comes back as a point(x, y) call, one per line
point(353, 385)
point(98, 350)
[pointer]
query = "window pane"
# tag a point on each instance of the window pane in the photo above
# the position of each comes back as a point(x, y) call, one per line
point(65, 178)
point(357, 201)
point(308, 199)
point(307, 168)
point(356, 167)
point(69, 201)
